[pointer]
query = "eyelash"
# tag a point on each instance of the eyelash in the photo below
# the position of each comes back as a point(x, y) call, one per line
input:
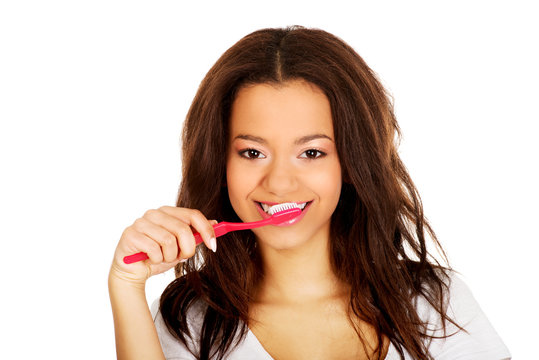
point(242, 152)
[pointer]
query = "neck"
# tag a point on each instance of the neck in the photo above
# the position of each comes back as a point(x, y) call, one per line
point(300, 274)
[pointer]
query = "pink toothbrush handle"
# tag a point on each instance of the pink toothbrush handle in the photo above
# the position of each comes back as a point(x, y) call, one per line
point(141, 256)
point(225, 227)
point(219, 229)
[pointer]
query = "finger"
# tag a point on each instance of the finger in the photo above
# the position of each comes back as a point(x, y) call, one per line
point(140, 242)
point(195, 219)
point(178, 227)
point(167, 240)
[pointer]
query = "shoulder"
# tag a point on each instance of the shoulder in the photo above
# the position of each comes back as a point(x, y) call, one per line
point(172, 347)
point(247, 349)
point(478, 340)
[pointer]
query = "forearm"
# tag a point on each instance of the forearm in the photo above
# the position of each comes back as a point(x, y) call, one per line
point(136, 336)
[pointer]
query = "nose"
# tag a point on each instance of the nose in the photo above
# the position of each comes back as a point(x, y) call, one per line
point(280, 178)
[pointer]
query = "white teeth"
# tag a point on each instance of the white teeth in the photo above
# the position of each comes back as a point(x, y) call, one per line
point(270, 210)
point(266, 207)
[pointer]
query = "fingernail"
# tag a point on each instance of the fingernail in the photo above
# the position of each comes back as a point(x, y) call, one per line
point(183, 260)
point(213, 244)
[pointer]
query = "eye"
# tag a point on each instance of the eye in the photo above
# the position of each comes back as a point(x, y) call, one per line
point(312, 154)
point(251, 154)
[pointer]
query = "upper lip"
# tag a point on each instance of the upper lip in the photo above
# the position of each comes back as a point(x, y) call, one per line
point(268, 207)
point(282, 202)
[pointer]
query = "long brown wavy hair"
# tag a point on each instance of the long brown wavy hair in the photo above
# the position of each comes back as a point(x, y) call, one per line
point(378, 229)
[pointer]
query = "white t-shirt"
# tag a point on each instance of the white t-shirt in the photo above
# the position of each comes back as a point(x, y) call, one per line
point(480, 343)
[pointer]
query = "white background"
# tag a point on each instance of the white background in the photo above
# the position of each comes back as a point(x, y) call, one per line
point(92, 99)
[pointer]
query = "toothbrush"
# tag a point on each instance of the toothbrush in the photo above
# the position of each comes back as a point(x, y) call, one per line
point(279, 214)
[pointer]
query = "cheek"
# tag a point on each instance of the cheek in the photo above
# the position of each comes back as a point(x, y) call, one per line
point(327, 181)
point(238, 184)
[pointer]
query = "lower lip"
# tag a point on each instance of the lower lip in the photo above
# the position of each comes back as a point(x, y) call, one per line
point(286, 223)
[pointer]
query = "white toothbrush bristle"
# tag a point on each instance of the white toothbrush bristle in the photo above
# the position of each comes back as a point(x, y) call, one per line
point(281, 207)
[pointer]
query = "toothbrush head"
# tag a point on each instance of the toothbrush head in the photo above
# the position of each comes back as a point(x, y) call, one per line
point(284, 212)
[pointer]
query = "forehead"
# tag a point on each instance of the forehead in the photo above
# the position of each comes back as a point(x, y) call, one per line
point(292, 109)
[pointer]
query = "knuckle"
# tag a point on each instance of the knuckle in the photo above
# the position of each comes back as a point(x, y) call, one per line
point(169, 240)
point(181, 229)
point(139, 223)
point(197, 213)
point(130, 234)
point(128, 231)
point(150, 213)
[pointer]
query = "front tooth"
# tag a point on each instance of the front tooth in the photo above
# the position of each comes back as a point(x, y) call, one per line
point(265, 207)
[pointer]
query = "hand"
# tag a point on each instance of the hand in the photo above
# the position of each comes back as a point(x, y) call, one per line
point(165, 235)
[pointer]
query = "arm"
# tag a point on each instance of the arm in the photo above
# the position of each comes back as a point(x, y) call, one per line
point(165, 235)
point(136, 336)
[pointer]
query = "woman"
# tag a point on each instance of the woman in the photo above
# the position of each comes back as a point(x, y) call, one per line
point(294, 115)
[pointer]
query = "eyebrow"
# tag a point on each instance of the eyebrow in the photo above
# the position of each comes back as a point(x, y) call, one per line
point(298, 141)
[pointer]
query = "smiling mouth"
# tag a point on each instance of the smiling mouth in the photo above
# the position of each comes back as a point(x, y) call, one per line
point(267, 207)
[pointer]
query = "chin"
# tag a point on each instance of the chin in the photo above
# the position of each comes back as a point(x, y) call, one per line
point(280, 245)
point(285, 238)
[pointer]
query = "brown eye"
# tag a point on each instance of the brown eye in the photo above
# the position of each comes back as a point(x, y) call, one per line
point(312, 154)
point(251, 154)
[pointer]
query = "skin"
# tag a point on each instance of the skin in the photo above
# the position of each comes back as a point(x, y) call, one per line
point(279, 170)
point(300, 308)
point(165, 235)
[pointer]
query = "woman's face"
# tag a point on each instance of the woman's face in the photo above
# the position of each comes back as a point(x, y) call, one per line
point(281, 149)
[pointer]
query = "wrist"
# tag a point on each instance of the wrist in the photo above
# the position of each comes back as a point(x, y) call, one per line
point(123, 279)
